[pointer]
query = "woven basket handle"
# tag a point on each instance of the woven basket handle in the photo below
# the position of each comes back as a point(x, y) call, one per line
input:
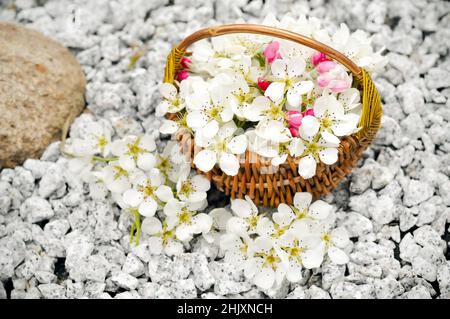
point(270, 31)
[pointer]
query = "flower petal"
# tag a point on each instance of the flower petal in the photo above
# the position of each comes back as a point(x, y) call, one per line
point(329, 155)
point(205, 160)
point(147, 143)
point(132, 197)
point(196, 119)
point(227, 130)
point(310, 126)
point(229, 164)
point(296, 67)
point(330, 139)
point(339, 236)
point(202, 223)
point(307, 167)
point(168, 91)
point(241, 207)
point(168, 127)
point(312, 258)
point(127, 162)
point(148, 207)
point(164, 193)
point(151, 225)
point(284, 216)
point(319, 209)
point(302, 200)
point(201, 183)
point(146, 161)
point(238, 144)
point(275, 91)
point(278, 68)
point(210, 129)
point(264, 278)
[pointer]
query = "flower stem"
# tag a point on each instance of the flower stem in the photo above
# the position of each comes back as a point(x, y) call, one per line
point(104, 159)
point(137, 223)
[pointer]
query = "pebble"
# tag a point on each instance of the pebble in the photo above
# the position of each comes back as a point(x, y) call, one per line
point(394, 205)
point(416, 192)
point(36, 209)
point(124, 280)
point(52, 291)
point(133, 266)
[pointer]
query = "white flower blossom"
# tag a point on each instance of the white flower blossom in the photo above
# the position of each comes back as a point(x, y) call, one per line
point(162, 238)
point(135, 151)
point(246, 217)
point(288, 74)
point(148, 190)
point(186, 222)
point(222, 150)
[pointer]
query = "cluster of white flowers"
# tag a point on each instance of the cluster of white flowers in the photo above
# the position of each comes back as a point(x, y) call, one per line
point(162, 189)
point(270, 96)
point(295, 237)
point(159, 187)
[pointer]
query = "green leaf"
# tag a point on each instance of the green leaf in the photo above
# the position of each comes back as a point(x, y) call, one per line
point(261, 59)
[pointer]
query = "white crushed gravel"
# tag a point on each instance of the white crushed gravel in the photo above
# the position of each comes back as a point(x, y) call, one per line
point(55, 242)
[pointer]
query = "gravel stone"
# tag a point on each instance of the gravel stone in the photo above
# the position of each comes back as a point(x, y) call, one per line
point(57, 242)
point(36, 209)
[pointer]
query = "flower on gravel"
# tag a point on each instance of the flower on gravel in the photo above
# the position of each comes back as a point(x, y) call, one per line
point(330, 242)
point(186, 222)
point(115, 177)
point(302, 210)
point(246, 216)
point(148, 189)
point(193, 189)
point(222, 150)
point(236, 249)
point(96, 140)
point(172, 163)
point(265, 268)
point(162, 238)
point(135, 151)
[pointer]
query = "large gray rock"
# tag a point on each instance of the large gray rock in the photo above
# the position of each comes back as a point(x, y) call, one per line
point(41, 87)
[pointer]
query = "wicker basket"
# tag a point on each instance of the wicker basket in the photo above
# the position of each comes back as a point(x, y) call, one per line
point(279, 186)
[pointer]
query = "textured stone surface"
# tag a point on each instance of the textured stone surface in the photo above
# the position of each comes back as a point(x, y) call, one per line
point(395, 205)
point(42, 86)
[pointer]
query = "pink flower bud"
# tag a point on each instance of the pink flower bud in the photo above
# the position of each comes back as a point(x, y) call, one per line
point(182, 75)
point(325, 66)
point(323, 80)
point(318, 57)
point(185, 62)
point(294, 118)
point(271, 51)
point(263, 84)
point(340, 86)
point(308, 112)
point(294, 132)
